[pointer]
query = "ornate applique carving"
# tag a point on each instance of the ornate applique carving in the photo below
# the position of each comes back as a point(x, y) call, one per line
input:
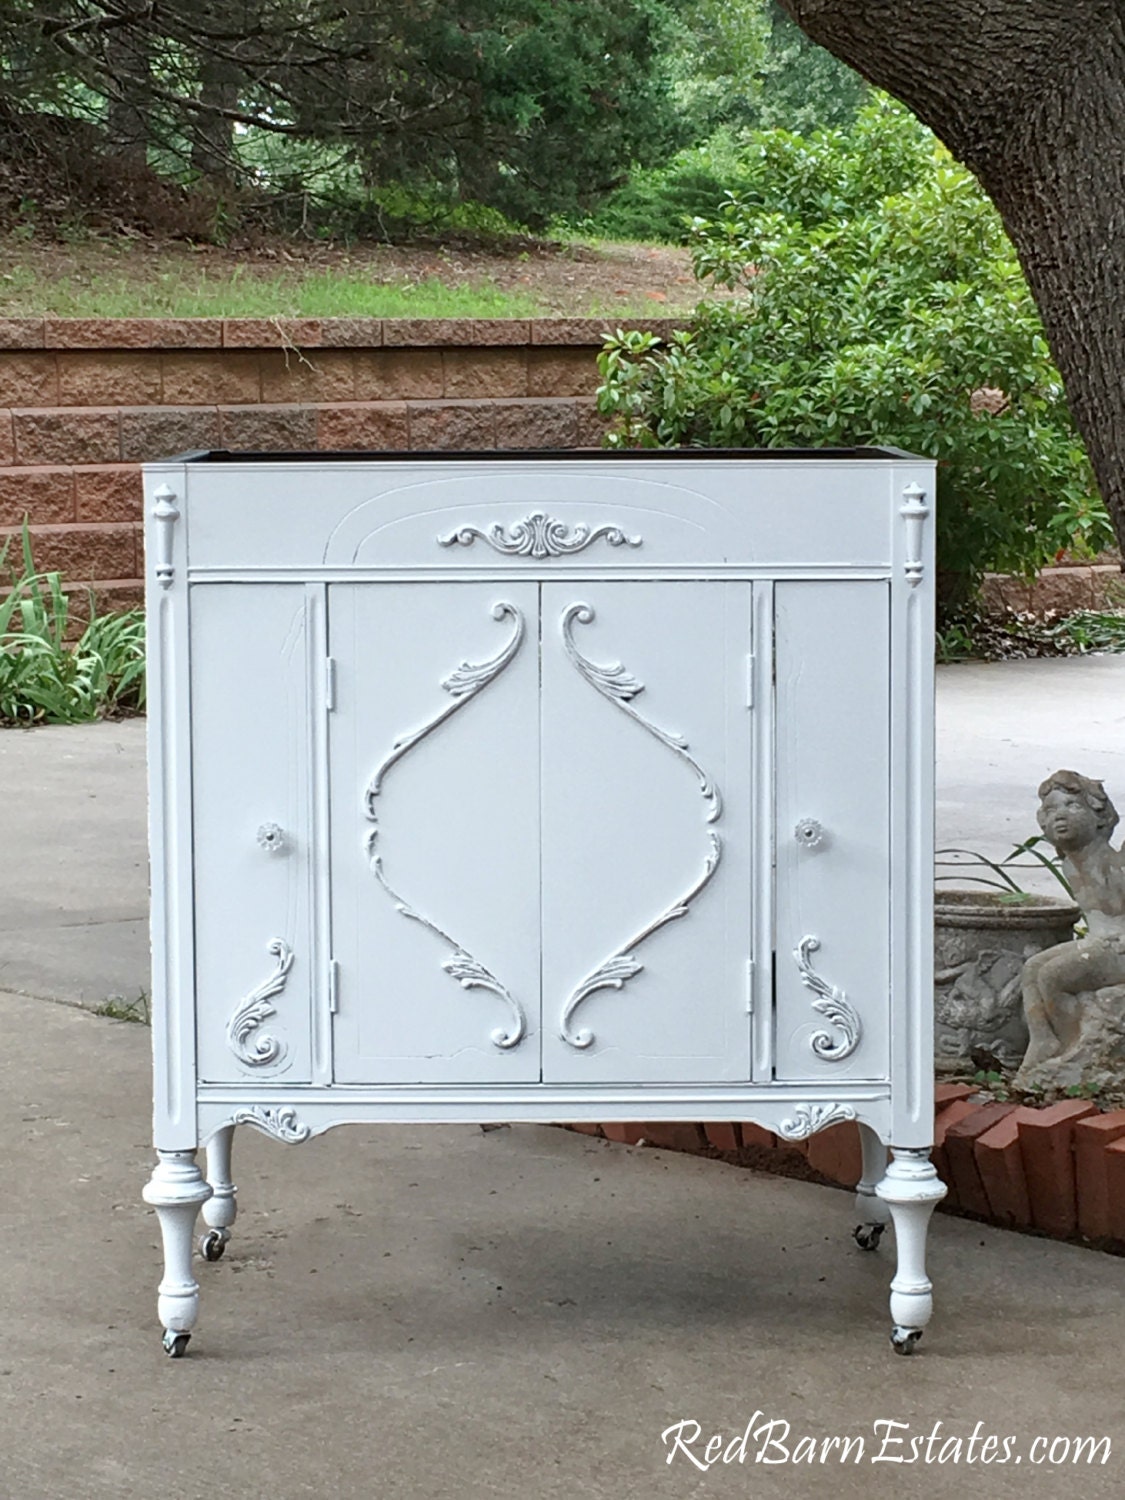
point(809, 1118)
point(249, 1045)
point(831, 1003)
point(463, 685)
point(280, 1121)
point(538, 536)
point(621, 687)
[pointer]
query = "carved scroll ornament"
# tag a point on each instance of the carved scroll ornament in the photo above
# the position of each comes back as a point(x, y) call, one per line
point(538, 536)
point(620, 687)
point(832, 1003)
point(462, 685)
point(250, 1045)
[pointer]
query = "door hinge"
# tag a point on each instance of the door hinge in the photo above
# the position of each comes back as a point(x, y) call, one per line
point(750, 680)
point(333, 987)
point(330, 683)
point(749, 986)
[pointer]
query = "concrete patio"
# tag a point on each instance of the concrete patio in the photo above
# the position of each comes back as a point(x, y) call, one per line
point(432, 1312)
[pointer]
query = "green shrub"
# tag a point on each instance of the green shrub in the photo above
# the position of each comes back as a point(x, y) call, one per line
point(46, 678)
point(878, 302)
point(813, 179)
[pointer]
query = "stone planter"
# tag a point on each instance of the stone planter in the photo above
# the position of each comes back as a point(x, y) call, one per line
point(981, 942)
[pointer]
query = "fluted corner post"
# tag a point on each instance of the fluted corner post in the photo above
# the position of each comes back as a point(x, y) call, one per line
point(911, 1190)
point(871, 1213)
point(176, 1190)
point(221, 1209)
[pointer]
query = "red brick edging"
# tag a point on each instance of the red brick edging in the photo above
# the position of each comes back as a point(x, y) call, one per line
point(1057, 1170)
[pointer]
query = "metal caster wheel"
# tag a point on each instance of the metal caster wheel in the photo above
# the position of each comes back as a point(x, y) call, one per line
point(212, 1245)
point(175, 1344)
point(867, 1236)
point(904, 1339)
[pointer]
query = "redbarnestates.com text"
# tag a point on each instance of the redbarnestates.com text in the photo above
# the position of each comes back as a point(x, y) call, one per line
point(773, 1440)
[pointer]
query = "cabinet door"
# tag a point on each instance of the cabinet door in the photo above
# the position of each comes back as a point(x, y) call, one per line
point(832, 745)
point(434, 751)
point(250, 726)
point(646, 797)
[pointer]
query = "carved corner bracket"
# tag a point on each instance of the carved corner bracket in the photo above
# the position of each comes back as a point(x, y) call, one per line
point(807, 1119)
point(280, 1121)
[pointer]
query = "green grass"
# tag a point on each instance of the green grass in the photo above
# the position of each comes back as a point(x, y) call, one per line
point(188, 293)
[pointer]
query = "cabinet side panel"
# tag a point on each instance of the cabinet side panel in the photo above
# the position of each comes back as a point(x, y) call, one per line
point(255, 979)
point(832, 830)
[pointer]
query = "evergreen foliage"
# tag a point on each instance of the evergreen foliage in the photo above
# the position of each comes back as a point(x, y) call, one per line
point(528, 106)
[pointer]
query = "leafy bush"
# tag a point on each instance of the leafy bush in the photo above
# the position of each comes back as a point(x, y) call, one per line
point(878, 302)
point(830, 174)
point(44, 677)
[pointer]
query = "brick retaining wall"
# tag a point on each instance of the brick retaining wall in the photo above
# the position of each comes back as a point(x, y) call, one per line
point(85, 401)
point(1056, 591)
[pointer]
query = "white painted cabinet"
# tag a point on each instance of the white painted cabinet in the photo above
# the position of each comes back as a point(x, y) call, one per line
point(587, 787)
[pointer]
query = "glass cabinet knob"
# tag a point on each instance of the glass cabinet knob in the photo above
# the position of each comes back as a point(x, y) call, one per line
point(271, 838)
point(809, 833)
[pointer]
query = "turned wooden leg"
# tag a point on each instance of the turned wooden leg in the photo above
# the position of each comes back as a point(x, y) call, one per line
point(872, 1214)
point(176, 1190)
point(221, 1209)
point(911, 1190)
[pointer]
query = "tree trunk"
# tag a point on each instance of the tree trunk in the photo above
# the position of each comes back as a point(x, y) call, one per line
point(212, 147)
point(1030, 96)
point(127, 64)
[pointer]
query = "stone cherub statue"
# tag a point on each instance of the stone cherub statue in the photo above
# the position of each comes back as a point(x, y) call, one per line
point(1074, 994)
